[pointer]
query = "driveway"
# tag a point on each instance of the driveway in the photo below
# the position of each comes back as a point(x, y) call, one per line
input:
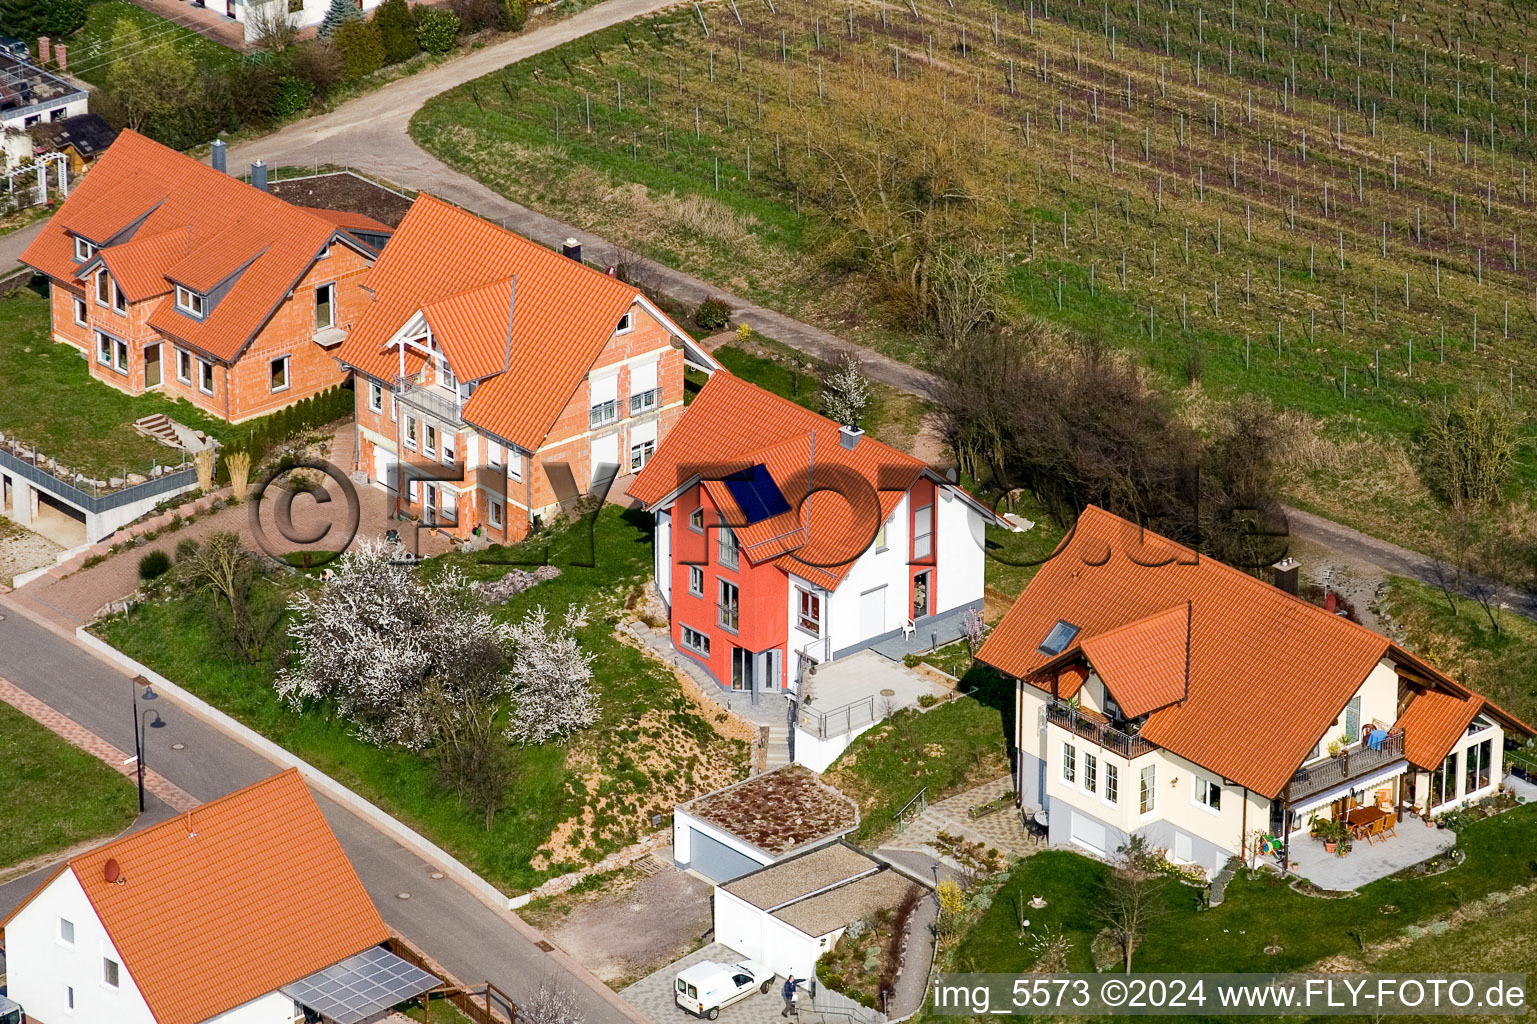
point(652, 995)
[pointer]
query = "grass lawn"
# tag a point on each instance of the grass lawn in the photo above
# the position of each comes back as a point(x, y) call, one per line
point(948, 749)
point(56, 795)
point(90, 47)
point(1465, 644)
point(568, 805)
point(45, 379)
point(1256, 913)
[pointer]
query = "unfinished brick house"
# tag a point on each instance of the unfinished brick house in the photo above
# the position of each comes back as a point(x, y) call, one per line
point(174, 277)
point(498, 380)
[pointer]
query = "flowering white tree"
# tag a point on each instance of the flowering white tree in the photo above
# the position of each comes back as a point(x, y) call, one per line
point(845, 391)
point(552, 678)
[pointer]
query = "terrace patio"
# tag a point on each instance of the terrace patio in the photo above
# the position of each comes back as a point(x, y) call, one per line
point(1411, 844)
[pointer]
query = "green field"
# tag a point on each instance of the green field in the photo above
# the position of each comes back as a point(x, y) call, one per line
point(650, 748)
point(90, 48)
point(57, 796)
point(710, 153)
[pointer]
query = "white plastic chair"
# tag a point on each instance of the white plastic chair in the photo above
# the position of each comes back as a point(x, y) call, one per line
point(908, 629)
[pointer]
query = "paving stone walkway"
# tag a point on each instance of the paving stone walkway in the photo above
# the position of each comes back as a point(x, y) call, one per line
point(1002, 830)
point(64, 726)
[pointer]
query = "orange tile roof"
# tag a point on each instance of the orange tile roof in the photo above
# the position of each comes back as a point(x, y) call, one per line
point(349, 221)
point(1146, 664)
point(449, 260)
point(139, 266)
point(733, 425)
point(230, 901)
point(1268, 671)
point(1432, 723)
point(140, 190)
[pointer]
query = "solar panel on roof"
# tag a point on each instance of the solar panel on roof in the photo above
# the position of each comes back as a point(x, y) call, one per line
point(361, 986)
point(756, 494)
point(1060, 636)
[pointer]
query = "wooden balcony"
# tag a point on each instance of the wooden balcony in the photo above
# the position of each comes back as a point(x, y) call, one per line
point(1097, 729)
point(1353, 763)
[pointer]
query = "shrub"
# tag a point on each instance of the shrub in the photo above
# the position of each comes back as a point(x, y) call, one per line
point(186, 548)
point(517, 14)
point(712, 315)
point(927, 700)
point(294, 96)
point(156, 563)
point(314, 61)
point(397, 27)
point(437, 31)
point(359, 47)
point(340, 13)
point(476, 15)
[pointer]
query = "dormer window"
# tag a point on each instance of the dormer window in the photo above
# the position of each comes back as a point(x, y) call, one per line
point(189, 302)
point(626, 322)
point(83, 250)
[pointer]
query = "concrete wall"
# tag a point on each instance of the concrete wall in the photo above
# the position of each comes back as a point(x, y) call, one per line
point(759, 935)
point(683, 822)
point(962, 534)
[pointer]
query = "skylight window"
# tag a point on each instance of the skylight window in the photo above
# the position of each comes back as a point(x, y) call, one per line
point(1057, 640)
point(756, 494)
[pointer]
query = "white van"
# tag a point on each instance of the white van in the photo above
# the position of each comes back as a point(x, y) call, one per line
point(11, 1012)
point(706, 987)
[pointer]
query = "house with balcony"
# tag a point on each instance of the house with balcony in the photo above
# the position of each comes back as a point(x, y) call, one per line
point(31, 97)
point(244, 910)
point(173, 277)
point(498, 381)
point(1165, 694)
point(786, 542)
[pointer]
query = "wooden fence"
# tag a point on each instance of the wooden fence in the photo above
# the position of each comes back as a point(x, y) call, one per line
point(483, 1004)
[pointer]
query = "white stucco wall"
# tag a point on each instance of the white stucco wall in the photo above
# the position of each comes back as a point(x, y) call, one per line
point(272, 1008)
point(759, 935)
point(41, 968)
point(962, 557)
point(682, 821)
point(313, 13)
point(843, 615)
point(663, 554)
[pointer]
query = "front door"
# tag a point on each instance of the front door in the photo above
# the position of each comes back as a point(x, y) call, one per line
point(872, 612)
point(152, 366)
point(921, 595)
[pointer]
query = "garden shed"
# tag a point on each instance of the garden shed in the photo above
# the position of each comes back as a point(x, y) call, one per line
point(789, 914)
point(764, 820)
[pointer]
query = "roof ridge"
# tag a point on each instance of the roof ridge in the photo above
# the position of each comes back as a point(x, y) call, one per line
point(801, 410)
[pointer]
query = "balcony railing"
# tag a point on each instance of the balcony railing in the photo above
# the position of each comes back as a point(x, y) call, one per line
point(1096, 729)
point(1353, 763)
point(435, 401)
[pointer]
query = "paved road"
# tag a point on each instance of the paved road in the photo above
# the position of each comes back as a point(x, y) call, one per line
point(12, 245)
point(469, 938)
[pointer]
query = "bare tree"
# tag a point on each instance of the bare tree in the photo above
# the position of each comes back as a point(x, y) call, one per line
point(1470, 447)
point(1133, 899)
point(272, 28)
point(227, 572)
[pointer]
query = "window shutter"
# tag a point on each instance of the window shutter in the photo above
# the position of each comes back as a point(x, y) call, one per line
point(643, 432)
point(604, 389)
point(643, 377)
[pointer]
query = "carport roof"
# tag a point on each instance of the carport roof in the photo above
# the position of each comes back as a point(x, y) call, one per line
point(819, 915)
point(795, 878)
point(779, 811)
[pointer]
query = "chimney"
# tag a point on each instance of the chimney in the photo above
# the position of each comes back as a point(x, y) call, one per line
point(61, 56)
point(572, 250)
point(42, 49)
point(259, 174)
point(1286, 574)
point(216, 158)
point(849, 436)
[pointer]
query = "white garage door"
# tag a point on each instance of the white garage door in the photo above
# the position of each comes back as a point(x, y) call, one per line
point(384, 466)
point(872, 612)
point(1088, 832)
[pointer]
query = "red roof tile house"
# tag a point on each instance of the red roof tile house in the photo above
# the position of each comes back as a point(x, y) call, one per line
point(244, 910)
point(499, 378)
point(785, 541)
point(171, 276)
point(1168, 695)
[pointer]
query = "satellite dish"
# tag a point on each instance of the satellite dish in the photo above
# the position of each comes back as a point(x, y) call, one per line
point(111, 871)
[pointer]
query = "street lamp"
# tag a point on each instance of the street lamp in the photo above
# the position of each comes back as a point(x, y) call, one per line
point(138, 727)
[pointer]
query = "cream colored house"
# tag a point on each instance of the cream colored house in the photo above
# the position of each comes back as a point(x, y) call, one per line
point(1168, 695)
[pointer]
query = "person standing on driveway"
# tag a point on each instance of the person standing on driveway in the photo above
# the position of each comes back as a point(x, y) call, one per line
point(789, 994)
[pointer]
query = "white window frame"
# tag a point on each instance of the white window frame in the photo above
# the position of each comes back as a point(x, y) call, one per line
point(408, 436)
point(641, 453)
point(1147, 791)
point(880, 536)
point(205, 370)
point(288, 378)
point(189, 302)
point(183, 366)
point(1201, 792)
point(429, 438)
point(493, 453)
point(84, 250)
point(1112, 791)
point(448, 444)
point(1090, 773)
point(696, 581)
point(626, 324)
point(117, 971)
point(329, 288)
point(727, 552)
point(119, 300)
point(116, 355)
point(64, 923)
point(375, 396)
point(103, 288)
point(696, 520)
point(805, 620)
point(494, 513)
point(514, 465)
point(1069, 764)
point(725, 608)
point(923, 539)
point(69, 1000)
point(696, 640)
point(82, 310)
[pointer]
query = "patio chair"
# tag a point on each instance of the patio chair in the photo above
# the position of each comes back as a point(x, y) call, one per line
point(909, 628)
point(1389, 826)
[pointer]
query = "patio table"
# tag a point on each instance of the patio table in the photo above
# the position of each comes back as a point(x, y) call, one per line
point(1362, 819)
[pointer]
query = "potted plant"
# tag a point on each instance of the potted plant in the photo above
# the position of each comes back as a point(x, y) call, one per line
point(1336, 746)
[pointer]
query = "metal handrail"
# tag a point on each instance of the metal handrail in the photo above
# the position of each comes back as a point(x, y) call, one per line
point(810, 716)
point(921, 799)
point(1103, 734)
point(171, 481)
